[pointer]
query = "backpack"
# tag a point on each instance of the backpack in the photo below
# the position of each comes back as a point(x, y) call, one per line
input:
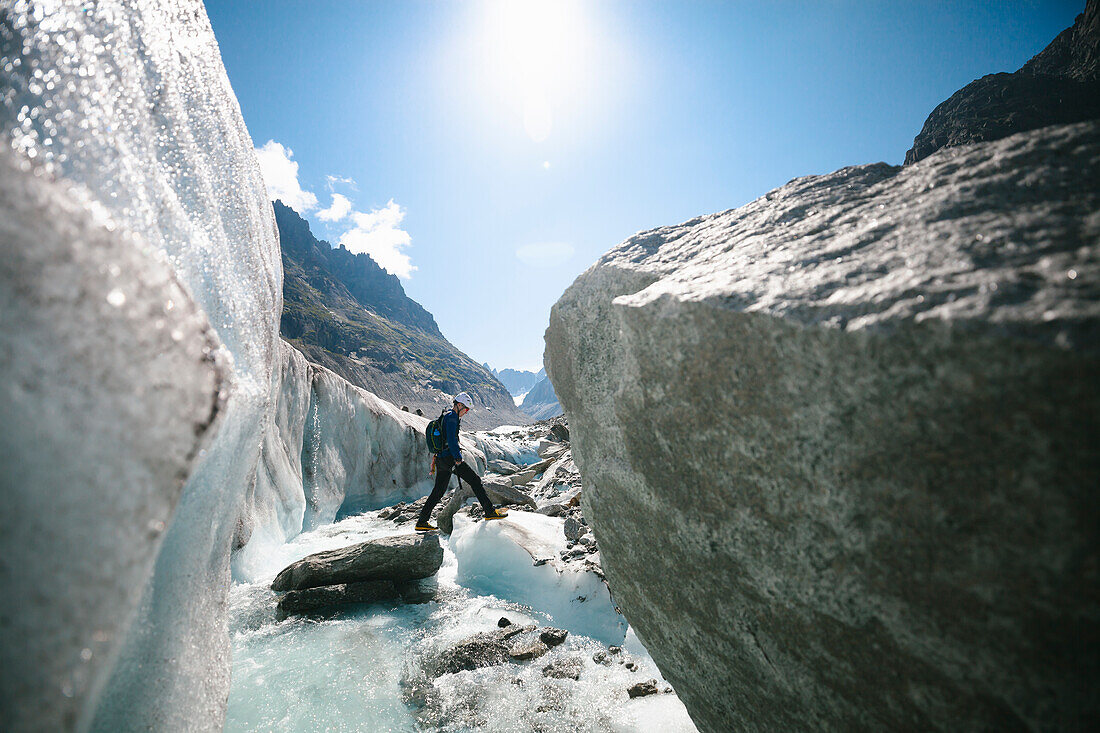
point(435, 435)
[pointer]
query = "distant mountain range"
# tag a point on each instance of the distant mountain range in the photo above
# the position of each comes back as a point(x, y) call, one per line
point(538, 398)
point(346, 313)
point(518, 382)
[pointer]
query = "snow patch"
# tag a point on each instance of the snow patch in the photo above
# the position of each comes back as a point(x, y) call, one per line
point(498, 558)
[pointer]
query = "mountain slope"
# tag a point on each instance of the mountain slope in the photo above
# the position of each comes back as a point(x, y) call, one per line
point(541, 403)
point(348, 314)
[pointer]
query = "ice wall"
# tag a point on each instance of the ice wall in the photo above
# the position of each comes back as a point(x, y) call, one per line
point(110, 382)
point(337, 450)
point(129, 105)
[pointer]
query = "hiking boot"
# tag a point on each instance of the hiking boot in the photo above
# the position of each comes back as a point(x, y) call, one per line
point(426, 527)
point(497, 514)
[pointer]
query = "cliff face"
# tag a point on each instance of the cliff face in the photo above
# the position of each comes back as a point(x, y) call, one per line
point(541, 403)
point(346, 313)
point(1060, 85)
point(838, 445)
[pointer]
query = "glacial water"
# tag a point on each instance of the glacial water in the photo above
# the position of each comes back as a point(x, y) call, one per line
point(361, 671)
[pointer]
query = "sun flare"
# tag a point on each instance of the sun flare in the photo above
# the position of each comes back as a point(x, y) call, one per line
point(536, 52)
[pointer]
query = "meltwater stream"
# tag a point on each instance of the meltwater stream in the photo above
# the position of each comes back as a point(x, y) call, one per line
point(360, 671)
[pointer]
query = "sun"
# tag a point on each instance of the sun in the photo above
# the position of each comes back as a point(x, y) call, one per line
point(537, 51)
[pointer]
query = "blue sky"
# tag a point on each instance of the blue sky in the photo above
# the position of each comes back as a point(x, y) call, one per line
point(489, 152)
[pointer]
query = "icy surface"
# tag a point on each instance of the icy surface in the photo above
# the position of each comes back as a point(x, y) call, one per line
point(130, 103)
point(498, 444)
point(338, 450)
point(108, 388)
point(499, 557)
point(362, 670)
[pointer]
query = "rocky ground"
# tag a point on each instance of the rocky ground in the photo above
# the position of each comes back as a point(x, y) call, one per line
point(551, 486)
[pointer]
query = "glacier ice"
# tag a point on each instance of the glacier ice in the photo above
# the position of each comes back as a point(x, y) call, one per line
point(499, 558)
point(166, 437)
point(130, 106)
point(110, 381)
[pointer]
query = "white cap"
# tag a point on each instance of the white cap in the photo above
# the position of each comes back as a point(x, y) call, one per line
point(464, 399)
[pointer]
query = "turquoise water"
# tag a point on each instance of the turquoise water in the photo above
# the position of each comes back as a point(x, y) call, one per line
point(362, 670)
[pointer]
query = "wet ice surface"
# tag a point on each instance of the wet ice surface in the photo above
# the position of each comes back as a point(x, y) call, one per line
point(362, 670)
point(128, 106)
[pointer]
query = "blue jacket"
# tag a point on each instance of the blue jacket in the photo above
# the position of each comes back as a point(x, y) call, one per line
point(450, 431)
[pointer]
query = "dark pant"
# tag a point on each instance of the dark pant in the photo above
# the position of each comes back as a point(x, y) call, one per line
point(444, 467)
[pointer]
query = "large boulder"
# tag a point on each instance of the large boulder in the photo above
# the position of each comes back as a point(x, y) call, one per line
point(856, 422)
point(398, 558)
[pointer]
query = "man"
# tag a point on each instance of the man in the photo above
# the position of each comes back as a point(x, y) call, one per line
point(450, 461)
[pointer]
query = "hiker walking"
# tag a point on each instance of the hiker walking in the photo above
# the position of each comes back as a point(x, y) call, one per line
point(448, 460)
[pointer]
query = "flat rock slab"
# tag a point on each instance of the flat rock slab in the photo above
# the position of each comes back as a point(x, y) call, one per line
point(330, 596)
point(400, 558)
point(502, 466)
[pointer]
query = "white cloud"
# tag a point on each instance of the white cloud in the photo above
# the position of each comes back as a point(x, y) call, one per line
point(340, 208)
point(379, 235)
point(545, 254)
point(349, 182)
point(281, 176)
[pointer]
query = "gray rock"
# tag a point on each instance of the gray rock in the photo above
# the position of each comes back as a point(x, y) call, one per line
point(905, 467)
point(480, 650)
point(649, 687)
point(552, 637)
point(400, 558)
point(501, 491)
point(484, 650)
point(552, 510)
point(525, 650)
point(601, 657)
point(573, 529)
point(502, 622)
point(523, 477)
point(560, 431)
point(568, 668)
point(502, 466)
point(327, 597)
point(544, 447)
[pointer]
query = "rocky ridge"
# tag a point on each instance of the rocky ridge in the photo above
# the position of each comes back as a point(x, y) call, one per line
point(1060, 85)
point(541, 403)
